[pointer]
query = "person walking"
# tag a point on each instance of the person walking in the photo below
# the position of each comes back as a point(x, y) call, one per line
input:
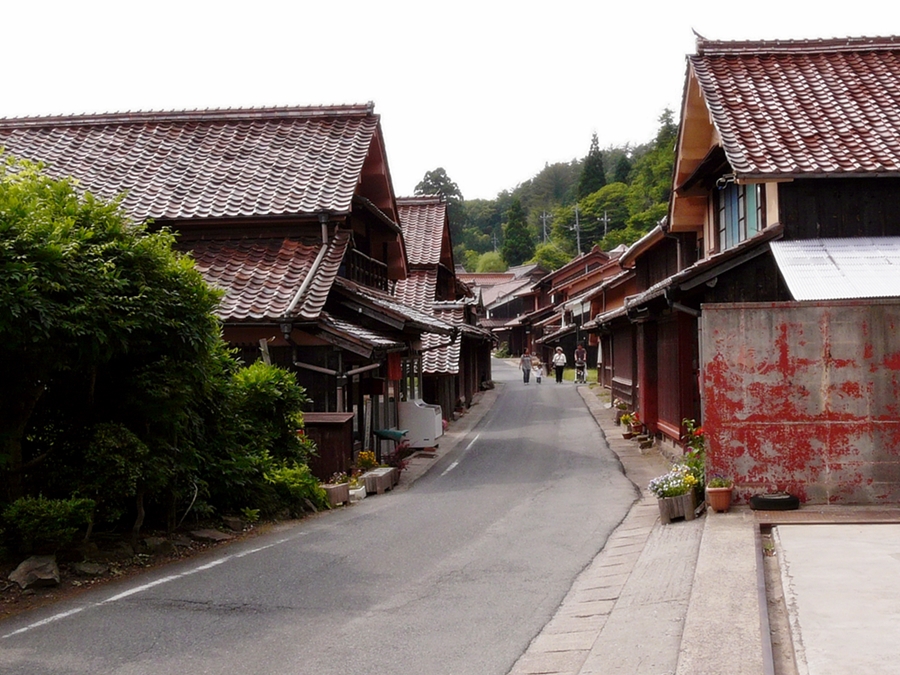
point(559, 362)
point(525, 365)
point(580, 364)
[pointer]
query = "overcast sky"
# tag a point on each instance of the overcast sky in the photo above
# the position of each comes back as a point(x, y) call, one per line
point(489, 90)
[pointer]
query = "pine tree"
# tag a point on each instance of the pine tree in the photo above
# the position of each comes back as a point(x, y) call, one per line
point(593, 176)
point(518, 244)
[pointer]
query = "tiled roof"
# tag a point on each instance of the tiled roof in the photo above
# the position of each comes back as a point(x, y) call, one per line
point(804, 107)
point(444, 359)
point(423, 219)
point(486, 279)
point(418, 289)
point(262, 277)
point(363, 340)
point(217, 163)
point(392, 308)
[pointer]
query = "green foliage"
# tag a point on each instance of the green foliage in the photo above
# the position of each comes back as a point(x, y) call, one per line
point(624, 237)
point(518, 241)
point(294, 483)
point(609, 202)
point(550, 256)
point(490, 262)
point(437, 182)
point(269, 403)
point(250, 515)
point(95, 312)
point(593, 174)
point(37, 523)
point(470, 260)
point(555, 184)
point(502, 351)
point(110, 469)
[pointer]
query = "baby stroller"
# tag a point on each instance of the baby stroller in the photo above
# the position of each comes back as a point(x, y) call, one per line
point(580, 372)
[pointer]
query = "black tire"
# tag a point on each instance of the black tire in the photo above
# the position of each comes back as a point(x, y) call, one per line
point(776, 501)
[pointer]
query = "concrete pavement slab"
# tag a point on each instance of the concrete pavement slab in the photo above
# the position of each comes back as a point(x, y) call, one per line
point(723, 630)
point(843, 599)
point(643, 633)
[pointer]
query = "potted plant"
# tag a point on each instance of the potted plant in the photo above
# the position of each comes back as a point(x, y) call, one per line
point(635, 424)
point(620, 407)
point(718, 493)
point(337, 489)
point(626, 419)
point(357, 486)
point(675, 493)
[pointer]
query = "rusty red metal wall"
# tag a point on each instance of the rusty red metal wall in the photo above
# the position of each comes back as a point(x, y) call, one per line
point(804, 397)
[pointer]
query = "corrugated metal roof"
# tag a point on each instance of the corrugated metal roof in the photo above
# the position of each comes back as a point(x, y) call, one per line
point(833, 269)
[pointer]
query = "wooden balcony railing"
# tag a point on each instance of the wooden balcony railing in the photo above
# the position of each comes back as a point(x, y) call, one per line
point(367, 271)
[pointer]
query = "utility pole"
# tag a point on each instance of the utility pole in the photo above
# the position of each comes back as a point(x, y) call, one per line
point(577, 231)
point(544, 221)
point(605, 221)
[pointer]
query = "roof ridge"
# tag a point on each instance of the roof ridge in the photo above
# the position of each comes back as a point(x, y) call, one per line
point(421, 199)
point(707, 47)
point(196, 115)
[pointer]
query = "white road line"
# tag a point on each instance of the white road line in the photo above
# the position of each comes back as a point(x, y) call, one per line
point(456, 463)
point(144, 587)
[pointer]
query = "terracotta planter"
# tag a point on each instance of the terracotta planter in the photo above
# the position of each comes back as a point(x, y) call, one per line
point(718, 498)
point(676, 507)
point(637, 428)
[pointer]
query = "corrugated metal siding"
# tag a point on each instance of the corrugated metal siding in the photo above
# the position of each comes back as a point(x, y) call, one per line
point(836, 269)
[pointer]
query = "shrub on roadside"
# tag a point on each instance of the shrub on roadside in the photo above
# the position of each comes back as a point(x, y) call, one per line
point(296, 483)
point(39, 524)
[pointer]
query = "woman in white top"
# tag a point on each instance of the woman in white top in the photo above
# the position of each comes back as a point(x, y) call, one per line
point(559, 362)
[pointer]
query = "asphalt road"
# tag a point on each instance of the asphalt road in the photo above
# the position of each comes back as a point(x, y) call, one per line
point(455, 575)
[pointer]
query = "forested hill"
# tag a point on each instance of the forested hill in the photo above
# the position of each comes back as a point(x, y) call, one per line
point(617, 195)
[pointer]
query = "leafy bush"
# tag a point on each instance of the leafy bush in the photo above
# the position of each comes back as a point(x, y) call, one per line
point(294, 483)
point(37, 523)
point(502, 351)
point(269, 403)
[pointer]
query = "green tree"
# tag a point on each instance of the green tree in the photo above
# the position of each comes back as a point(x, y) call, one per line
point(518, 242)
point(610, 203)
point(437, 182)
point(593, 174)
point(490, 262)
point(86, 297)
point(550, 257)
point(621, 167)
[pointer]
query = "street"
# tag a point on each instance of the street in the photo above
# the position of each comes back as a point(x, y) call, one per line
point(456, 574)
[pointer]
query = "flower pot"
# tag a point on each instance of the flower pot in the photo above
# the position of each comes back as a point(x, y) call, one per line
point(627, 434)
point(637, 428)
point(676, 507)
point(718, 498)
point(338, 493)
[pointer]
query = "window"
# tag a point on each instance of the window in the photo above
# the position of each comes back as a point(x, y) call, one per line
point(740, 213)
